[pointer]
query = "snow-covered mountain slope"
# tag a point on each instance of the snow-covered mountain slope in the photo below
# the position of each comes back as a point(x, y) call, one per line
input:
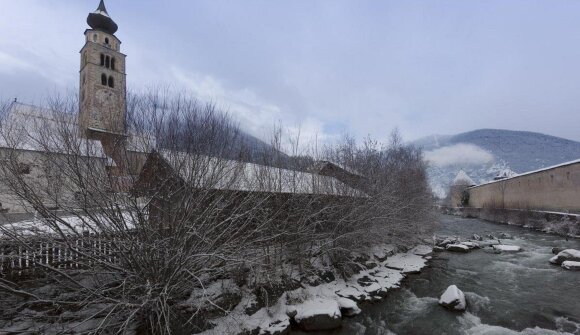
point(485, 153)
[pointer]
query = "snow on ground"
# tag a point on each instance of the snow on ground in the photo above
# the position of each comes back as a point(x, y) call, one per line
point(268, 319)
point(407, 262)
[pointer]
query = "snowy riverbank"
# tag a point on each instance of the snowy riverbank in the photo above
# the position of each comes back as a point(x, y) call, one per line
point(321, 306)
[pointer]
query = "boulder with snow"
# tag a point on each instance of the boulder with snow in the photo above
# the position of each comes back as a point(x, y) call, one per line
point(566, 255)
point(381, 252)
point(445, 242)
point(348, 307)
point(406, 263)
point(453, 298)
point(476, 237)
point(317, 314)
point(507, 248)
point(376, 291)
point(352, 293)
point(438, 249)
point(422, 250)
point(471, 245)
point(571, 265)
point(457, 248)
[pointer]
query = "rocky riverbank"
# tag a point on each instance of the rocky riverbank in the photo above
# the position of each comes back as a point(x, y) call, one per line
point(562, 224)
point(320, 303)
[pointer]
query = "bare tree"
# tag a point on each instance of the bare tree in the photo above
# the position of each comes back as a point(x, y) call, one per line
point(122, 242)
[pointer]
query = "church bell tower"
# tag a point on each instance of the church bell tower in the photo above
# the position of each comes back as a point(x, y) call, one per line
point(102, 96)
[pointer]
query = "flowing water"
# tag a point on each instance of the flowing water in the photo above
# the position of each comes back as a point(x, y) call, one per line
point(509, 293)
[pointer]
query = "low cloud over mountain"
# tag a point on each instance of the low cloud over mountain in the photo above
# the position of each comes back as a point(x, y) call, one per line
point(485, 153)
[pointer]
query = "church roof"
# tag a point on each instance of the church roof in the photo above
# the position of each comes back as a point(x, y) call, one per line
point(100, 20)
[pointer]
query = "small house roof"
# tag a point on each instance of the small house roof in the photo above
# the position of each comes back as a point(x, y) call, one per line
point(463, 179)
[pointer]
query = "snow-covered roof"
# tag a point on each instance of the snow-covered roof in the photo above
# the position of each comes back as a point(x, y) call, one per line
point(463, 179)
point(218, 173)
point(319, 165)
point(504, 174)
point(33, 128)
point(576, 161)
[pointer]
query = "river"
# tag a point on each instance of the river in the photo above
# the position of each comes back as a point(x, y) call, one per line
point(509, 293)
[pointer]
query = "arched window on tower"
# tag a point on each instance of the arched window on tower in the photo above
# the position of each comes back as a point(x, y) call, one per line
point(111, 82)
point(102, 60)
point(112, 63)
point(107, 62)
point(106, 40)
point(104, 79)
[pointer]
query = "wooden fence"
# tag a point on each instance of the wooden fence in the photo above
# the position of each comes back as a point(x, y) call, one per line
point(35, 256)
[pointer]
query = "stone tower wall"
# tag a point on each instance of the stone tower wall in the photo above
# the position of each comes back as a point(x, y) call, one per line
point(102, 107)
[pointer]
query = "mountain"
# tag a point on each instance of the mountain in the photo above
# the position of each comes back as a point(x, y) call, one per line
point(485, 153)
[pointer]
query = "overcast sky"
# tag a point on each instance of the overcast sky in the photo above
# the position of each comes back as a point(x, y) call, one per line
point(330, 67)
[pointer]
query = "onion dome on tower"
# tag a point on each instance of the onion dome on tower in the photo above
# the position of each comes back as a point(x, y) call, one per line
point(100, 20)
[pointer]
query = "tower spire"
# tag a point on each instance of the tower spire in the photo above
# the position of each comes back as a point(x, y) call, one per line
point(100, 20)
point(102, 7)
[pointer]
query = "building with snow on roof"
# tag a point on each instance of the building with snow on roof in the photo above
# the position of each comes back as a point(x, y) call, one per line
point(554, 188)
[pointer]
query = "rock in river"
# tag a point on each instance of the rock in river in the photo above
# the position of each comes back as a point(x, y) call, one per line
point(348, 307)
point(476, 237)
point(566, 255)
point(471, 245)
point(453, 298)
point(457, 247)
point(507, 248)
point(317, 314)
point(571, 265)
